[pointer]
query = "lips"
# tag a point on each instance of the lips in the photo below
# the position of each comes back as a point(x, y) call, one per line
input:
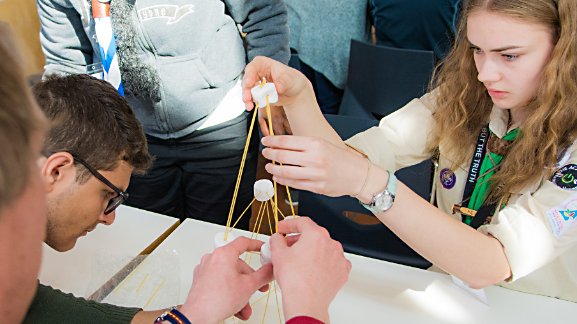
point(496, 94)
point(86, 231)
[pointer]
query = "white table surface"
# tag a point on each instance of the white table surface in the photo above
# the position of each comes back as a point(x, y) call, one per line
point(132, 231)
point(383, 292)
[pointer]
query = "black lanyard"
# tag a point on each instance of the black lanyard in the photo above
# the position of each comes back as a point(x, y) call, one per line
point(486, 210)
point(478, 156)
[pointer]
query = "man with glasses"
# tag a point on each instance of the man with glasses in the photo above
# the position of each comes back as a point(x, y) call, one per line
point(93, 147)
point(89, 155)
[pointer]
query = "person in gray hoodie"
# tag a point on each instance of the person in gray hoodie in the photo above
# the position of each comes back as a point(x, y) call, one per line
point(181, 63)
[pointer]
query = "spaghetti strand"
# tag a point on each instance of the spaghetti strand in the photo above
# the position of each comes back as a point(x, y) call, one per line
point(237, 186)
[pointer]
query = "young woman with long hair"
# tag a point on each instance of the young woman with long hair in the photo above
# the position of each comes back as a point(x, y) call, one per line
point(501, 117)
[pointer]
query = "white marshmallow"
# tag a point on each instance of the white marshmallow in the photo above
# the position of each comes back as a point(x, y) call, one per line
point(219, 239)
point(265, 253)
point(263, 190)
point(259, 94)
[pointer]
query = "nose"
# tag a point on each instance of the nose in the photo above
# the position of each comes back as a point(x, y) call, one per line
point(488, 70)
point(108, 219)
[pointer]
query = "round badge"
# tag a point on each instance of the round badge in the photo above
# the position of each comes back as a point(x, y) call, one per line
point(566, 177)
point(448, 178)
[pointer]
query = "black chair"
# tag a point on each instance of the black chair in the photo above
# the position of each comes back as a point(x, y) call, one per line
point(383, 79)
point(347, 126)
point(375, 241)
point(380, 81)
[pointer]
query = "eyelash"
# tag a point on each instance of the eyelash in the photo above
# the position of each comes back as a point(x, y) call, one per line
point(476, 50)
point(508, 57)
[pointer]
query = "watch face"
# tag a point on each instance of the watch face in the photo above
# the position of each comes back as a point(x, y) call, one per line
point(383, 201)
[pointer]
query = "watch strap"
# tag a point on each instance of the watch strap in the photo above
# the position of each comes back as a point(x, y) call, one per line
point(390, 190)
point(392, 184)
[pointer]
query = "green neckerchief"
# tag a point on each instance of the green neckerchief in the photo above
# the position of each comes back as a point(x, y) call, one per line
point(488, 168)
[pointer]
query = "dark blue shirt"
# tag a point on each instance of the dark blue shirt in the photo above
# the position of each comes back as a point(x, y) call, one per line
point(415, 24)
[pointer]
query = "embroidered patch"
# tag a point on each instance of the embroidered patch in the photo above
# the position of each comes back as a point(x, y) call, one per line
point(173, 12)
point(563, 216)
point(566, 177)
point(447, 178)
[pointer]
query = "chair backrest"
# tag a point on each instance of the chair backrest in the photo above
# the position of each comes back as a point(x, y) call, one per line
point(347, 126)
point(383, 79)
point(375, 241)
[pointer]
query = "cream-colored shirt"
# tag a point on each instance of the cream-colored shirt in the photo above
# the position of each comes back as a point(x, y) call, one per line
point(540, 262)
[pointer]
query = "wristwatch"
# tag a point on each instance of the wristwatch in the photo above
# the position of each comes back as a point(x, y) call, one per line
point(383, 201)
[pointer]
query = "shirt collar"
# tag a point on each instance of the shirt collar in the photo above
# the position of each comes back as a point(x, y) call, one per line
point(499, 120)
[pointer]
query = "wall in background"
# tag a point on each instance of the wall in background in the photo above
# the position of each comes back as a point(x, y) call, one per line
point(22, 17)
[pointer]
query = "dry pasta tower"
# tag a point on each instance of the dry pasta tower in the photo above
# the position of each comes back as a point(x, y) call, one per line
point(265, 191)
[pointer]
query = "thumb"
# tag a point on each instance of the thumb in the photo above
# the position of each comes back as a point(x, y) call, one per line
point(281, 84)
point(262, 276)
point(277, 243)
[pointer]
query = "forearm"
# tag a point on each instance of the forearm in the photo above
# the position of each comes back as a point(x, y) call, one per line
point(477, 259)
point(306, 118)
point(143, 317)
point(298, 307)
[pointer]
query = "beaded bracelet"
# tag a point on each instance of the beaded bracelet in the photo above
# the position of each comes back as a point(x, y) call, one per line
point(173, 316)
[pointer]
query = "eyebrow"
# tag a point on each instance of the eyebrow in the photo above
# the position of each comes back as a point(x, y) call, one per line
point(500, 49)
point(506, 48)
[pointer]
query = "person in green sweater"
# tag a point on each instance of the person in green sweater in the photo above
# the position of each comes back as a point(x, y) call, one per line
point(93, 147)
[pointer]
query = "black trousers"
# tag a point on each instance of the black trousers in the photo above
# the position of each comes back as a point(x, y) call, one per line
point(194, 176)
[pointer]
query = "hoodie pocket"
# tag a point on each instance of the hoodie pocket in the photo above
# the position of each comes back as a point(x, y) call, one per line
point(188, 89)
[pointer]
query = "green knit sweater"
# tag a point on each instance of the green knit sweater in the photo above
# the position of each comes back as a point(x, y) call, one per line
point(54, 306)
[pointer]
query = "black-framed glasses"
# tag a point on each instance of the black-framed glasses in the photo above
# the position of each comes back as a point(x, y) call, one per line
point(114, 202)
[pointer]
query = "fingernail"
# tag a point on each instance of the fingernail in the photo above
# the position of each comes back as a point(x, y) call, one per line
point(274, 237)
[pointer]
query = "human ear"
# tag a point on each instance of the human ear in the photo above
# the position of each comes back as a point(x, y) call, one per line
point(58, 171)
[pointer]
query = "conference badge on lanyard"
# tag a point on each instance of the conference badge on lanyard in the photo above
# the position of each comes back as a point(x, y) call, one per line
point(107, 43)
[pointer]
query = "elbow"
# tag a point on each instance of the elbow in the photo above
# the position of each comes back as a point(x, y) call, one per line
point(480, 282)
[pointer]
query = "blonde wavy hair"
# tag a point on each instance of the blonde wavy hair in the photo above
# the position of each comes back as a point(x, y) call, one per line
point(464, 105)
point(18, 121)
